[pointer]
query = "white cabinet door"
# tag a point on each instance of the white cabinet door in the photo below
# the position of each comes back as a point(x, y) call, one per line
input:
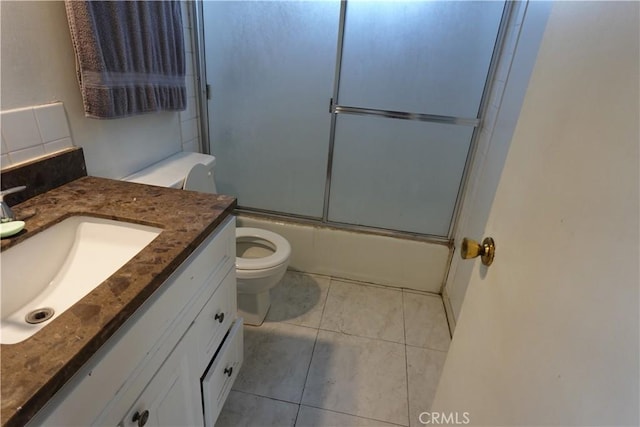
point(172, 398)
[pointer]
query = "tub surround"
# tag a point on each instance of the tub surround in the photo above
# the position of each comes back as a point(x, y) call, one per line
point(371, 258)
point(35, 369)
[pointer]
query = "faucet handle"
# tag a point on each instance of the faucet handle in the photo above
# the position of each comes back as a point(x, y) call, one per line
point(11, 191)
point(6, 214)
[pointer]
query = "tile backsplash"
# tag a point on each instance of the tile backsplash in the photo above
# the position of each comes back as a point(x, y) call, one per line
point(33, 132)
point(189, 118)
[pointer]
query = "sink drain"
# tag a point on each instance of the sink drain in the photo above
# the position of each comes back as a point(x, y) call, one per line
point(40, 315)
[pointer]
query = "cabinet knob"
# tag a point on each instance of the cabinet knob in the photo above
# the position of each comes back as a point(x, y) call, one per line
point(141, 418)
point(219, 317)
point(228, 371)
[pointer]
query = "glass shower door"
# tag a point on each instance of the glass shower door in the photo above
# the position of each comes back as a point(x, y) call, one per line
point(405, 78)
point(271, 68)
point(411, 81)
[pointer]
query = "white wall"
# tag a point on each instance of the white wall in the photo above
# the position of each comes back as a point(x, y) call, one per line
point(38, 67)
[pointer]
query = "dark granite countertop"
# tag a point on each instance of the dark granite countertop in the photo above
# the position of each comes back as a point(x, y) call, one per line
point(33, 370)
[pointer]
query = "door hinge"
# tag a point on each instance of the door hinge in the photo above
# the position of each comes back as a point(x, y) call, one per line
point(208, 91)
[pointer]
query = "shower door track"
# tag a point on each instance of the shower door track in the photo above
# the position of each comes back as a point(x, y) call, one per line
point(365, 229)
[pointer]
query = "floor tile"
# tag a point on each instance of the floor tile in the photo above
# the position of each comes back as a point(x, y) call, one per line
point(247, 410)
point(424, 367)
point(314, 417)
point(299, 299)
point(367, 311)
point(276, 360)
point(358, 376)
point(425, 321)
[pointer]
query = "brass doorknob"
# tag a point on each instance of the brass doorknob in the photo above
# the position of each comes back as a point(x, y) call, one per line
point(486, 251)
point(141, 418)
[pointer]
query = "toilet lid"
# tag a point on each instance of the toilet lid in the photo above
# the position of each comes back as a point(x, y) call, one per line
point(280, 255)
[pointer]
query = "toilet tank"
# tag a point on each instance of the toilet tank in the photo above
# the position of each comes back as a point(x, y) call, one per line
point(171, 172)
point(200, 178)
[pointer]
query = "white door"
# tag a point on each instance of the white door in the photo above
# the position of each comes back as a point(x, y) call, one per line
point(549, 334)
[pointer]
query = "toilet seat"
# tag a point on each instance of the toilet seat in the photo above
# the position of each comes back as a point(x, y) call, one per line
point(281, 253)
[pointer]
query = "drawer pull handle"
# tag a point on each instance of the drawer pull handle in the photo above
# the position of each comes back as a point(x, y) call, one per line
point(228, 371)
point(141, 418)
point(219, 317)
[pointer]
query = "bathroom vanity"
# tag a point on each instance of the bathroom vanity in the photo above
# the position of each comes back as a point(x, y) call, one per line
point(158, 342)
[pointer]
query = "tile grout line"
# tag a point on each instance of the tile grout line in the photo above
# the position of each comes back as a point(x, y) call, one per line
point(406, 360)
point(427, 348)
point(446, 315)
point(282, 322)
point(362, 336)
point(306, 377)
point(355, 416)
point(324, 305)
point(264, 397)
point(313, 350)
point(372, 284)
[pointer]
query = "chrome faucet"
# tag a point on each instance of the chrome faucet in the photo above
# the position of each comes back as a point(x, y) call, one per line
point(7, 214)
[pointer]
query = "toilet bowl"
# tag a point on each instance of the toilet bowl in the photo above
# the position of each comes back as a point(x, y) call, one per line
point(262, 256)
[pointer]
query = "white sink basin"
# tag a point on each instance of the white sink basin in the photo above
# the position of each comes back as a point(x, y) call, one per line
point(60, 265)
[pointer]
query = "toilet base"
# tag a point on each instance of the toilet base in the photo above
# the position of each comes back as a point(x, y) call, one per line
point(254, 307)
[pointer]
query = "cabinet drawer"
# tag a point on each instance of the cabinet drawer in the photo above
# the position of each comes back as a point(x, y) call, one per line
point(214, 320)
point(214, 257)
point(219, 378)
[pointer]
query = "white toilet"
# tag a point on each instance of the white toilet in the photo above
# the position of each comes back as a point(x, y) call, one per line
point(262, 256)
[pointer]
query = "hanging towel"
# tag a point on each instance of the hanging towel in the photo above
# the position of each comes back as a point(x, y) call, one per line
point(129, 56)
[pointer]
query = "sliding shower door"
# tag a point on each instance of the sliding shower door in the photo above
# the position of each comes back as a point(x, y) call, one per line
point(411, 82)
point(396, 174)
point(355, 113)
point(271, 66)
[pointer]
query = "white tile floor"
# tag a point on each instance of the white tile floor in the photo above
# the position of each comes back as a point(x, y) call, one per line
point(335, 353)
